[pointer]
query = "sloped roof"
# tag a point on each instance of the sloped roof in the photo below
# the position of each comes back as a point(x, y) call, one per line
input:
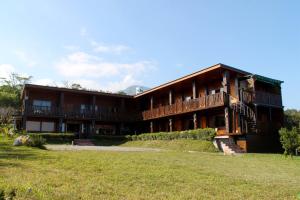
point(202, 71)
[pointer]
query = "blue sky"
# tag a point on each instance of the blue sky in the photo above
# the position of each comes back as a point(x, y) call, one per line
point(110, 45)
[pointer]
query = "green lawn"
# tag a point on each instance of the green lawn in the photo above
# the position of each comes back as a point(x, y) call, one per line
point(42, 174)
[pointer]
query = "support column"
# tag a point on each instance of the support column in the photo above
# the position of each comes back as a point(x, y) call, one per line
point(194, 90)
point(170, 97)
point(226, 88)
point(195, 121)
point(151, 127)
point(93, 127)
point(61, 108)
point(236, 87)
point(25, 111)
point(227, 121)
point(170, 125)
point(151, 103)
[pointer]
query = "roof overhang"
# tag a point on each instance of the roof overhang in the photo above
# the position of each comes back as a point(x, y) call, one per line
point(61, 89)
point(264, 79)
point(195, 74)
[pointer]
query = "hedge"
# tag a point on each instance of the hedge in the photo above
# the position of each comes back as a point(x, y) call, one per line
point(207, 134)
point(56, 137)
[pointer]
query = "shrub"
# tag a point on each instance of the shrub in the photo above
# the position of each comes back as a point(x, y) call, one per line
point(2, 195)
point(207, 134)
point(36, 141)
point(56, 137)
point(7, 131)
point(289, 140)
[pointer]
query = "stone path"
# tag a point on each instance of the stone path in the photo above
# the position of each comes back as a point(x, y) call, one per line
point(99, 148)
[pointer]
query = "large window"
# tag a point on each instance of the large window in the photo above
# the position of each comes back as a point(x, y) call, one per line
point(41, 105)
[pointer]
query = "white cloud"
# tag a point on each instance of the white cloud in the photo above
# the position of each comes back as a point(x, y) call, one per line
point(26, 58)
point(127, 81)
point(115, 49)
point(81, 64)
point(94, 72)
point(45, 81)
point(6, 70)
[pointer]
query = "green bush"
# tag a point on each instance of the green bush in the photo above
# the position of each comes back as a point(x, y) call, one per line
point(56, 138)
point(289, 140)
point(2, 194)
point(36, 141)
point(207, 134)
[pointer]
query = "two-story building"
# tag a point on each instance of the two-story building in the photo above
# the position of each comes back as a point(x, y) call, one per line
point(243, 106)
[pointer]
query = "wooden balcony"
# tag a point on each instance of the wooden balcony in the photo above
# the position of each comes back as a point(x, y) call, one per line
point(181, 107)
point(40, 111)
point(262, 98)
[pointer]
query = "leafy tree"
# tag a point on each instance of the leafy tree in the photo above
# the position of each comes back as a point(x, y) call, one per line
point(11, 88)
point(10, 95)
point(122, 92)
point(292, 118)
point(76, 86)
point(289, 140)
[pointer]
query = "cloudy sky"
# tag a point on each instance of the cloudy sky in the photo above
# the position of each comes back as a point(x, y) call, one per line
point(110, 45)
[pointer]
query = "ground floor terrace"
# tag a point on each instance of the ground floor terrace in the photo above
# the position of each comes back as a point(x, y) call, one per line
point(80, 127)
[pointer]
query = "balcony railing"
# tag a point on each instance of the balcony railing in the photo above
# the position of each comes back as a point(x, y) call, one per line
point(263, 98)
point(179, 107)
point(42, 111)
point(74, 113)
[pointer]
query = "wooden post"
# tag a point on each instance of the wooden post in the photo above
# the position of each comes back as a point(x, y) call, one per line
point(195, 121)
point(170, 97)
point(93, 127)
point(227, 121)
point(151, 103)
point(226, 87)
point(151, 127)
point(236, 87)
point(194, 90)
point(60, 111)
point(26, 107)
point(170, 125)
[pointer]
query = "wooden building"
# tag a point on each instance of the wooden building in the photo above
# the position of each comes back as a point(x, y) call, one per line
point(245, 107)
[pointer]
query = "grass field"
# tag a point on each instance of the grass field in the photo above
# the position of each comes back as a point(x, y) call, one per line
point(42, 174)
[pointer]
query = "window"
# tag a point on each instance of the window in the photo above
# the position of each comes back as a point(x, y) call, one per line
point(41, 105)
point(84, 108)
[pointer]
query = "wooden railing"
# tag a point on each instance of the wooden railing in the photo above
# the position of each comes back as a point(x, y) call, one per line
point(267, 99)
point(179, 107)
point(264, 98)
point(41, 111)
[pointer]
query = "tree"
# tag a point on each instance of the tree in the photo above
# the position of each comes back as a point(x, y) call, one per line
point(11, 88)
point(76, 86)
point(292, 118)
point(289, 140)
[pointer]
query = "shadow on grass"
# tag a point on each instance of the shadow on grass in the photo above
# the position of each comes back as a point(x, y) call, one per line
point(10, 153)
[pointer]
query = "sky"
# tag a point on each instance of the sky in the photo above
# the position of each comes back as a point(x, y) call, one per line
point(110, 45)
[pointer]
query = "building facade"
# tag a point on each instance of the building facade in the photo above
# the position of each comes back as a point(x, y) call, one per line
point(243, 106)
